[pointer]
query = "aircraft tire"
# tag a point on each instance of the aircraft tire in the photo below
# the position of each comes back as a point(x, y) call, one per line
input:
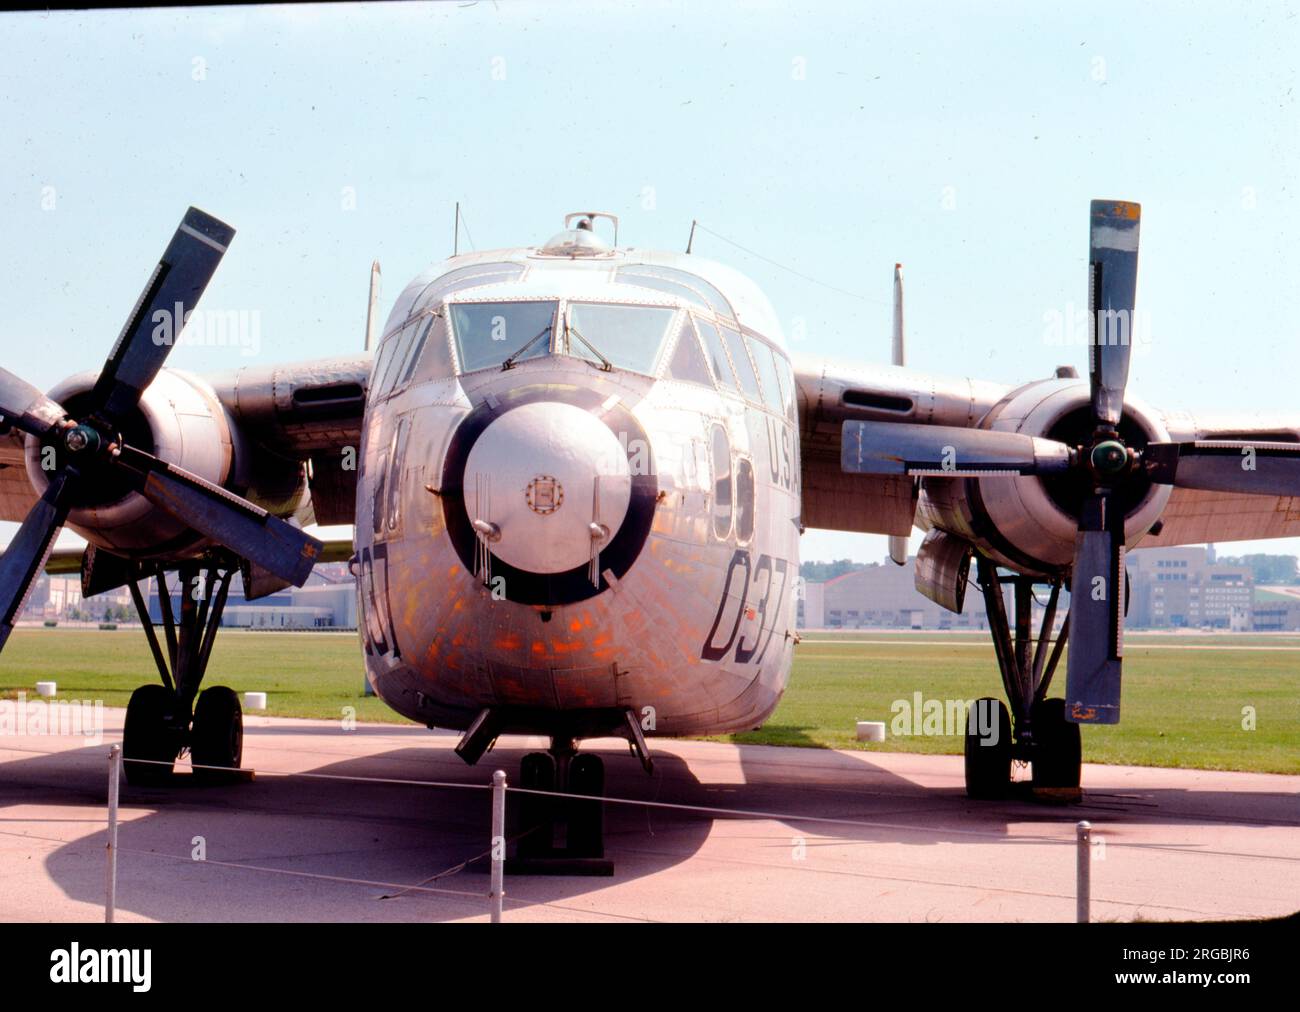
point(535, 812)
point(217, 735)
point(1058, 749)
point(150, 734)
point(587, 818)
point(988, 765)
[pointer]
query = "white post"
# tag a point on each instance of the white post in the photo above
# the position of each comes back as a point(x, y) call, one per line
point(498, 843)
point(114, 776)
point(1083, 836)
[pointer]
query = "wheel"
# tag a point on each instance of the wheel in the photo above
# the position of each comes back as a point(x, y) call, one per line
point(587, 818)
point(1058, 750)
point(151, 735)
point(536, 813)
point(217, 735)
point(988, 755)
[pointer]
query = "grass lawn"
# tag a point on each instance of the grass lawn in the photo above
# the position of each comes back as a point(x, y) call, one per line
point(1181, 707)
point(303, 674)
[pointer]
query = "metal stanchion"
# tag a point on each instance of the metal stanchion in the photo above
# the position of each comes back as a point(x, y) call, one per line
point(114, 776)
point(498, 843)
point(1083, 834)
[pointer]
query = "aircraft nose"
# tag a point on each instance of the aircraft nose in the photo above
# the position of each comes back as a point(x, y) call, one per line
point(547, 485)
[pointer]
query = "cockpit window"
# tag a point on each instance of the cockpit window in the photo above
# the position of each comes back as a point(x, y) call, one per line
point(433, 359)
point(627, 337)
point(489, 333)
point(716, 354)
point(740, 359)
point(788, 390)
point(382, 367)
point(683, 284)
point(762, 356)
point(688, 364)
point(466, 277)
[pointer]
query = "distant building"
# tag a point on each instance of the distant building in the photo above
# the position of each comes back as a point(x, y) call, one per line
point(812, 605)
point(63, 594)
point(328, 601)
point(1173, 588)
point(276, 616)
point(882, 596)
point(39, 599)
point(1276, 612)
point(338, 600)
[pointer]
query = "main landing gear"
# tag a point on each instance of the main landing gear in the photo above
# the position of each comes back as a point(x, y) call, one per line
point(164, 720)
point(1035, 729)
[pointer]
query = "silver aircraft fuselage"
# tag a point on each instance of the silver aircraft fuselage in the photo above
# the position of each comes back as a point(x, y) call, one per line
point(579, 495)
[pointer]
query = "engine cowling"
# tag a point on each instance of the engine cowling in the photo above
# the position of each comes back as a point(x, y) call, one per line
point(179, 419)
point(1029, 523)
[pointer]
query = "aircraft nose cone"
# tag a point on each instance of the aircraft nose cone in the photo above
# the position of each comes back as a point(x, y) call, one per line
point(545, 483)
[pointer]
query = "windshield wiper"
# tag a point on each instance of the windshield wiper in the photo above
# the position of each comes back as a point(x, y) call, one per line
point(605, 364)
point(509, 363)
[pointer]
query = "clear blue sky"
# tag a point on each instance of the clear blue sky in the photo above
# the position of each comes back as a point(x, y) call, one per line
point(963, 139)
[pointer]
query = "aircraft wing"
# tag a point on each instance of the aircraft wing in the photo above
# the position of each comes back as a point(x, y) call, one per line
point(67, 561)
point(16, 495)
point(831, 393)
point(1195, 517)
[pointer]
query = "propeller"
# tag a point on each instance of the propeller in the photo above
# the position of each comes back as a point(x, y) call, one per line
point(948, 451)
point(25, 557)
point(1112, 289)
point(24, 407)
point(1221, 465)
point(1097, 580)
point(85, 447)
point(1096, 647)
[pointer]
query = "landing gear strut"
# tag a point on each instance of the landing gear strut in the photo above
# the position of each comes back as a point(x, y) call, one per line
point(163, 720)
point(1035, 730)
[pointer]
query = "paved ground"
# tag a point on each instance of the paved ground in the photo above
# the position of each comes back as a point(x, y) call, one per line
point(1176, 844)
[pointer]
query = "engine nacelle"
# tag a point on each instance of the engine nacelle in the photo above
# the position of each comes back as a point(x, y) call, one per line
point(1029, 523)
point(179, 420)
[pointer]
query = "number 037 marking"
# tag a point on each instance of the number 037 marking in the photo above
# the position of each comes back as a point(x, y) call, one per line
point(768, 574)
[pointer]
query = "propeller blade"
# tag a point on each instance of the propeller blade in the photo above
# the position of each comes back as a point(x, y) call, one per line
point(26, 408)
point(25, 557)
point(174, 288)
point(946, 451)
point(1112, 290)
point(1097, 588)
point(247, 530)
point(1214, 465)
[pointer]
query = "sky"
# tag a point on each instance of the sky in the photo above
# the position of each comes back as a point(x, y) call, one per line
point(964, 140)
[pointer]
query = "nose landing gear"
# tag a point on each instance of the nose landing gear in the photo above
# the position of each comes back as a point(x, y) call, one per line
point(543, 820)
